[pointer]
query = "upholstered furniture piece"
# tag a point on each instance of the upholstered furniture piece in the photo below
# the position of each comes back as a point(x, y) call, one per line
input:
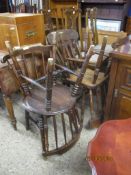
point(109, 152)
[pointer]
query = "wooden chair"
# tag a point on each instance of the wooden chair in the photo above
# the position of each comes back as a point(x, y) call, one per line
point(66, 42)
point(92, 32)
point(109, 152)
point(50, 19)
point(50, 100)
point(68, 51)
point(94, 82)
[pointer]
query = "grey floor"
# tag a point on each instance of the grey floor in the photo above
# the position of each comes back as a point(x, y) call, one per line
point(20, 151)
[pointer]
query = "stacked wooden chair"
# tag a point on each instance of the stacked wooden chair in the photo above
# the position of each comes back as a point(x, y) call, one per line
point(94, 82)
point(95, 76)
point(44, 95)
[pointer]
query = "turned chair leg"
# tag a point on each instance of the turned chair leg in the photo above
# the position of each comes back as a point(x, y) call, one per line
point(43, 126)
point(92, 111)
point(9, 106)
point(95, 119)
point(27, 120)
point(83, 103)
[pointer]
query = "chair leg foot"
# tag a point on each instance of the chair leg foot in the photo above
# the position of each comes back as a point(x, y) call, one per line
point(9, 106)
point(13, 122)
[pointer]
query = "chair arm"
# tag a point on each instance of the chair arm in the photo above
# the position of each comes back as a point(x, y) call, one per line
point(5, 58)
point(33, 82)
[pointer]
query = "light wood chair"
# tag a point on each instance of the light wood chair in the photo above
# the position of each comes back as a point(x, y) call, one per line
point(47, 97)
point(94, 81)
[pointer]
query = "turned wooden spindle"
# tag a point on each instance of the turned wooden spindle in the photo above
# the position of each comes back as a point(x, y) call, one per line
point(13, 54)
point(100, 59)
point(49, 84)
point(82, 71)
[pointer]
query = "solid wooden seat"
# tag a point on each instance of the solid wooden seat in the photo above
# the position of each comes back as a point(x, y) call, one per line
point(109, 152)
point(88, 78)
point(37, 102)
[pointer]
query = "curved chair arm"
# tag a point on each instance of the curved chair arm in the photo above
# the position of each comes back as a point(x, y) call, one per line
point(5, 58)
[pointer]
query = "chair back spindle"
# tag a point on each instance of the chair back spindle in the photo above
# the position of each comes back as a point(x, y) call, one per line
point(88, 42)
point(22, 82)
point(82, 71)
point(29, 64)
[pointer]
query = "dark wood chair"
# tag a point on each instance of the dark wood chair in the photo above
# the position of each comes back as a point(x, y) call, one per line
point(66, 43)
point(68, 51)
point(50, 100)
point(94, 79)
point(109, 152)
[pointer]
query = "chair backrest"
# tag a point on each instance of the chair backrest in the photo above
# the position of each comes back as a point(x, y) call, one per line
point(26, 71)
point(29, 61)
point(50, 19)
point(91, 14)
point(70, 18)
point(66, 42)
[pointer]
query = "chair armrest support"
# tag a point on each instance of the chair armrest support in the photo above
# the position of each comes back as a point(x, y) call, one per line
point(33, 82)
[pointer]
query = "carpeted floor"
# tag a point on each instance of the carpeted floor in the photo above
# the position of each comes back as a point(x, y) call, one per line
point(20, 151)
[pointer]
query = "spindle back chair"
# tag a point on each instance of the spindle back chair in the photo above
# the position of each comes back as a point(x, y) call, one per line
point(67, 47)
point(48, 98)
point(32, 63)
point(94, 81)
